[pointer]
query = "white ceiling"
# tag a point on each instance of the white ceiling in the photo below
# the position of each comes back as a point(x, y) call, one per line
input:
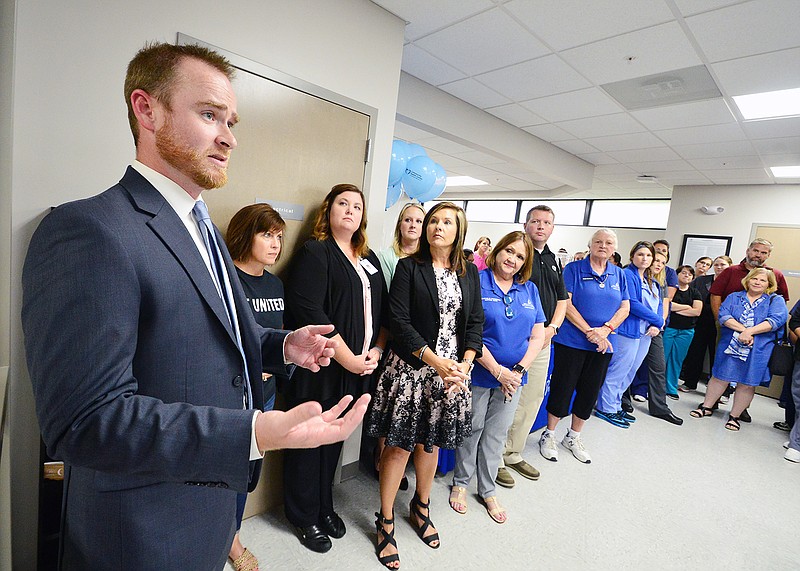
point(539, 64)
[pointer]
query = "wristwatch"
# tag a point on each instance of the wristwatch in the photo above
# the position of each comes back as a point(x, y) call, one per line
point(518, 368)
point(554, 327)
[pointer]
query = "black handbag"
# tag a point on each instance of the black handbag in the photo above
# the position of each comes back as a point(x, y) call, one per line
point(781, 362)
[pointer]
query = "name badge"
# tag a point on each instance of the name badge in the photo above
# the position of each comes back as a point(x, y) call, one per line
point(367, 265)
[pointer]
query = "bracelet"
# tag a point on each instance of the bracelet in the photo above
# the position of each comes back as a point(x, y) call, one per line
point(471, 365)
point(499, 373)
point(607, 324)
point(422, 352)
point(380, 351)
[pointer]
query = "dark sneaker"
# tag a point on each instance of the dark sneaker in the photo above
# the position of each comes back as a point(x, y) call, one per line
point(745, 416)
point(782, 426)
point(673, 397)
point(629, 418)
point(613, 418)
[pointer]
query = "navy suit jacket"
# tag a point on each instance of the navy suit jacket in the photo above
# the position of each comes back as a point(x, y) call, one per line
point(138, 381)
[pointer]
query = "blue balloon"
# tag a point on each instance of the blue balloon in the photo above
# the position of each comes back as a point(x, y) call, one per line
point(419, 177)
point(397, 166)
point(415, 150)
point(438, 185)
point(393, 194)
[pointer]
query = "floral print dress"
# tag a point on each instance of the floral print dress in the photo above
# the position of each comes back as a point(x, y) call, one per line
point(411, 405)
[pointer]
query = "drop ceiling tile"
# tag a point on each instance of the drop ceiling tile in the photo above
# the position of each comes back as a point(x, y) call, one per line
point(516, 114)
point(522, 186)
point(751, 162)
point(644, 155)
point(535, 178)
point(428, 68)
point(746, 29)
point(782, 160)
point(783, 145)
point(575, 146)
point(669, 176)
point(602, 170)
point(449, 162)
point(474, 93)
point(709, 112)
point(472, 45)
point(650, 167)
point(614, 124)
point(598, 158)
point(715, 150)
point(598, 184)
point(657, 49)
point(568, 23)
point(535, 78)
point(704, 134)
point(689, 7)
point(625, 142)
point(697, 178)
point(757, 74)
point(772, 128)
point(480, 172)
point(738, 176)
point(574, 105)
point(422, 22)
point(618, 177)
point(548, 132)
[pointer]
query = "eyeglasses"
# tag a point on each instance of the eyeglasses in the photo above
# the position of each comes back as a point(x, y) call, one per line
point(508, 300)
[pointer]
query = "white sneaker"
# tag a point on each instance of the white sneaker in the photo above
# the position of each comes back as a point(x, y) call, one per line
point(639, 398)
point(786, 445)
point(792, 455)
point(548, 447)
point(575, 444)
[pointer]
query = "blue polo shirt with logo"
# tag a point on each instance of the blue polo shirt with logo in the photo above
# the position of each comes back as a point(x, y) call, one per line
point(506, 337)
point(596, 297)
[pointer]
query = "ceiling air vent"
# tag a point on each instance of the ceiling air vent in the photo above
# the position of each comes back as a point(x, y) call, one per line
point(668, 88)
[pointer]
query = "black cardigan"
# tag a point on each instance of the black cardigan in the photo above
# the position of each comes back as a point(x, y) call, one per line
point(323, 287)
point(414, 310)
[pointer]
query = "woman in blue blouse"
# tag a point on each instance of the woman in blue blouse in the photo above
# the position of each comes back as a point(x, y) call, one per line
point(513, 332)
point(598, 305)
point(633, 337)
point(748, 318)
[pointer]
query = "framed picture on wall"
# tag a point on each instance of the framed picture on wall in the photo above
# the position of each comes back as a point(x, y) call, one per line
point(696, 246)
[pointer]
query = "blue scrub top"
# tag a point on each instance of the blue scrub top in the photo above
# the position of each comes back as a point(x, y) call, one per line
point(596, 297)
point(506, 338)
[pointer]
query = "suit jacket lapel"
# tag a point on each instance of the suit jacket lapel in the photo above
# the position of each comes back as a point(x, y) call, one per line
point(172, 232)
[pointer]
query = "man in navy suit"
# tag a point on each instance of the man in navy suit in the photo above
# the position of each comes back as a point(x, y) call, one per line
point(138, 377)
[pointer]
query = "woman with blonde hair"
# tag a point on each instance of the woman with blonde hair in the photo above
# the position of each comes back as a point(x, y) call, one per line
point(745, 345)
point(405, 242)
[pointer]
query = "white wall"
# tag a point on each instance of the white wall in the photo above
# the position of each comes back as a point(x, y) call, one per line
point(71, 139)
point(745, 205)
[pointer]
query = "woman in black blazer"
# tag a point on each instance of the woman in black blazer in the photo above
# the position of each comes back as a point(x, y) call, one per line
point(334, 278)
point(423, 400)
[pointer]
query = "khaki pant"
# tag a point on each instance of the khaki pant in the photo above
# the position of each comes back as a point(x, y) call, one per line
point(529, 402)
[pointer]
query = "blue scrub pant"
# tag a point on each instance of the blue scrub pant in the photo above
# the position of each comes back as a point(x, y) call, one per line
point(676, 345)
point(628, 355)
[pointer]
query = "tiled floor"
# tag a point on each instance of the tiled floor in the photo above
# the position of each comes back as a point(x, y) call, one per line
point(656, 496)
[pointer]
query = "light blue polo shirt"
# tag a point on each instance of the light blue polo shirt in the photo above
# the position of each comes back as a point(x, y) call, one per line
point(506, 337)
point(596, 297)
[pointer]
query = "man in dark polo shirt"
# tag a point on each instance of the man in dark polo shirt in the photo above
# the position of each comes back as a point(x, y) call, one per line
point(547, 276)
point(730, 281)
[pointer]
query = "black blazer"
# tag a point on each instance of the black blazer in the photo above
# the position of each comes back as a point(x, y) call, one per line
point(323, 287)
point(414, 310)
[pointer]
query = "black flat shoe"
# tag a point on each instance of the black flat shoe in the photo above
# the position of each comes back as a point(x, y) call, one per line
point(670, 417)
point(627, 407)
point(745, 416)
point(314, 538)
point(333, 525)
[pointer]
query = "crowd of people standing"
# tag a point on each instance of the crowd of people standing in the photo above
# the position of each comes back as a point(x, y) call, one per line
point(460, 355)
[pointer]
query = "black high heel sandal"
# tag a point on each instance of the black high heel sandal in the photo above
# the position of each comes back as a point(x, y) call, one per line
point(414, 507)
point(701, 412)
point(388, 539)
